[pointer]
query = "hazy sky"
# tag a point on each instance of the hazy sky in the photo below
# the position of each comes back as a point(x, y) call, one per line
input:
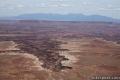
point(90, 7)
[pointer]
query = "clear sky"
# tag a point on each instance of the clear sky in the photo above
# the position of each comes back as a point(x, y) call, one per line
point(89, 7)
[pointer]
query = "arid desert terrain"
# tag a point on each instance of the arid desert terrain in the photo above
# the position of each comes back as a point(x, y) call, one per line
point(58, 50)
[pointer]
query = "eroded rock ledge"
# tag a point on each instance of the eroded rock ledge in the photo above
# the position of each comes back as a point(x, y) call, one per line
point(47, 50)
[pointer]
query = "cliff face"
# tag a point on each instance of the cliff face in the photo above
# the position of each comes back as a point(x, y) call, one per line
point(47, 50)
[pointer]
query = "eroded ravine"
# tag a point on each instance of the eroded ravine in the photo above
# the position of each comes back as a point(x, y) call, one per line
point(48, 51)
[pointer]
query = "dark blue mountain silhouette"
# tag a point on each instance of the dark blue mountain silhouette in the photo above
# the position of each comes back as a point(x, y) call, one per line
point(59, 17)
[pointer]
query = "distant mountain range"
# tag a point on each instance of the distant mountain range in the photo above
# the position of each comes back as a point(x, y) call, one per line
point(59, 17)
